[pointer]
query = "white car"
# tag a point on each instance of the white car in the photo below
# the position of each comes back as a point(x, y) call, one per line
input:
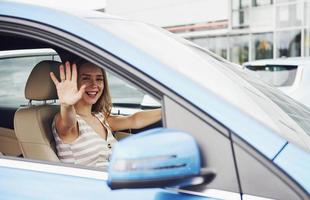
point(291, 75)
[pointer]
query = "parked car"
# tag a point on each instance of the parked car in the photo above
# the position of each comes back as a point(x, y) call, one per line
point(290, 75)
point(223, 135)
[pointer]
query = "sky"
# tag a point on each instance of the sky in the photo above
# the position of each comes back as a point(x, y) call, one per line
point(68, 4)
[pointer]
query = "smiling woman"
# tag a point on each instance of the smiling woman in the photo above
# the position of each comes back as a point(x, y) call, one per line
point(84, 122)
point(38, 80)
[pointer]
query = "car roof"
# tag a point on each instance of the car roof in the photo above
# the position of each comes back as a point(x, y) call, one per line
point(280, 61)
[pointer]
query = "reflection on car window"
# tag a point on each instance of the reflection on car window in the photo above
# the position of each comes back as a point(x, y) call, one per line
point(15, 67)
point(298, 115)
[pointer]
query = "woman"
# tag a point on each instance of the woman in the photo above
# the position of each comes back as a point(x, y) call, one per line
point(83, 127)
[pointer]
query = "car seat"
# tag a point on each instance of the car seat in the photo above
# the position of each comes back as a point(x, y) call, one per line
point(8, 142)
point(32, 123)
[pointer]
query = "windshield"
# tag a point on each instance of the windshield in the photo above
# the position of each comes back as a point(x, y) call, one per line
point(275, 75)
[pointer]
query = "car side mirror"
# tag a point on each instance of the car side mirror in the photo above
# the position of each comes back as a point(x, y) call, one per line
point(157, 158)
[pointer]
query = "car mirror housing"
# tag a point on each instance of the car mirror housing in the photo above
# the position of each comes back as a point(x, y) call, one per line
point(157, 158)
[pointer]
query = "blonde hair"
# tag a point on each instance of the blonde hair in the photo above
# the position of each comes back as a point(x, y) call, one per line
point(104, 103)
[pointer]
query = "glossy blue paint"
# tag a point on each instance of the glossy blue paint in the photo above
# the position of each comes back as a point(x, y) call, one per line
point(259, 136)
point(153, 163)
point(296, 162)
point(31, 185)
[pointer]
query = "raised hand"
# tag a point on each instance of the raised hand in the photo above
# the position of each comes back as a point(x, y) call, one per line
point(67, 89)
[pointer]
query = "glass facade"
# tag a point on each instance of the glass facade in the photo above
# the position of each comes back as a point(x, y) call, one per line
point(284, 1)
point(262, 16)
point(307, 29)
point(288, 43)
point(289, 15)
point(240, 13)
point(218, 45)
point(262, 46)
point(239, 48)
point(239, 4)
point(307, 42)
point(240, 18)
point(263, 29)
point(262, 2)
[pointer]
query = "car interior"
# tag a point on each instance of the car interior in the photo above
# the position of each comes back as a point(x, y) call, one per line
point(25, 130)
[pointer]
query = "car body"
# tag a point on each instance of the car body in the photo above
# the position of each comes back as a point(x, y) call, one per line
point(254, 138)
point(290, 75)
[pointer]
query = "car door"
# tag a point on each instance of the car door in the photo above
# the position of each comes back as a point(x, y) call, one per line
point(24, 179)
point(215, 143)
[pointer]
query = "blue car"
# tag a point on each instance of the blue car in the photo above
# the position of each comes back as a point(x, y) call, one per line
point(223, 134)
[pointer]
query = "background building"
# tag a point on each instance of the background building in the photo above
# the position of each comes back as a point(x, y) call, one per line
point(68, 4)
point(238, 30)
point(167, 13)
point(261, 29)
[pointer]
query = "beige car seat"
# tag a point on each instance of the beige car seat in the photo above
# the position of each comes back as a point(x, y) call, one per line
point(8, 142)
point(32, 124)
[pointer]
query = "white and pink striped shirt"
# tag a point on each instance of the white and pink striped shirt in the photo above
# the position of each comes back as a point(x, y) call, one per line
point(89, 148)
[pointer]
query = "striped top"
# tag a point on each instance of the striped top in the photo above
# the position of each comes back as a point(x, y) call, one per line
point(89, 148)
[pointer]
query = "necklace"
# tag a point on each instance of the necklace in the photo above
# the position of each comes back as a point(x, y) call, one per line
point(86, 115)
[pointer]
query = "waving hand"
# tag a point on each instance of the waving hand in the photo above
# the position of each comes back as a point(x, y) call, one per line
point(67, 89)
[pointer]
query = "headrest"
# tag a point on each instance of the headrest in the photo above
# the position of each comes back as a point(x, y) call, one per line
point(39, 85)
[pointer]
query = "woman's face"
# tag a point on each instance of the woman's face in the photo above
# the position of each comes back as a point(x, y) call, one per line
point(91, 76)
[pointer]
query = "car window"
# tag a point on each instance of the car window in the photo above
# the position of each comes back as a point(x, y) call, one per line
point(127, 98)
point(289, 117)
point(123, 92)
point(15, 67)
point(275, 75)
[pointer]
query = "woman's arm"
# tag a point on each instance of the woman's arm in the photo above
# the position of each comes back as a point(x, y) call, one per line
point(68, 94)
point(134, 121)
point(66, 122)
